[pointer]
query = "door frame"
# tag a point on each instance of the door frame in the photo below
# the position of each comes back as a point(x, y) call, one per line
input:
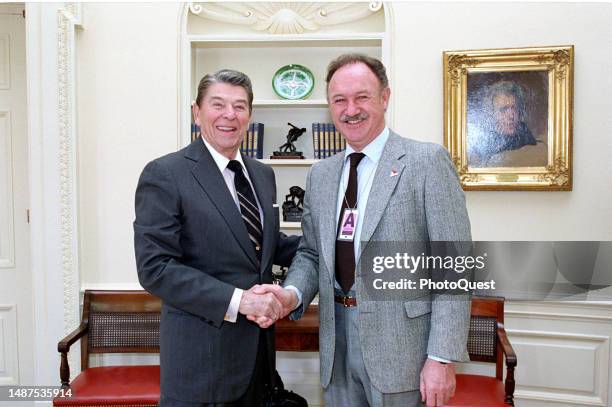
point(52, 139)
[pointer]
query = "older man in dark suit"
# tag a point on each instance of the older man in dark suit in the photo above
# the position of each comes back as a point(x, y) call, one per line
point(205, 234)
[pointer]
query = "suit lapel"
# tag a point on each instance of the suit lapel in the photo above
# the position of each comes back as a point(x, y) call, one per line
point(263, 189)
point(328, 196)
point(388, 173)
point(207, 174)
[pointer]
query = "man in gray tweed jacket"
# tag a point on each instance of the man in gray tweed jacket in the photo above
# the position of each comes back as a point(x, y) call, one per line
point(383, 188)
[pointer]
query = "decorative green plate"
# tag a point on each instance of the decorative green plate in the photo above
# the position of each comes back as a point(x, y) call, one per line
point(293, 82)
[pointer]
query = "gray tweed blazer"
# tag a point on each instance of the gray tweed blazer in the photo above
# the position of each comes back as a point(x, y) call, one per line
point(423, 202)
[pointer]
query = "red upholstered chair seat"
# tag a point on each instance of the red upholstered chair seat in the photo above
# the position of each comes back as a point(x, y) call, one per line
point(478, 391)
point(114, 386)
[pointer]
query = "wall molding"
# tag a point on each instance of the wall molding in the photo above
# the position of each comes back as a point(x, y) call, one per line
point(52, 140)
point(560, 304)
point(9, 364)
point(285, 18)
point(571, 311)
point(68, 19)
point(558, 316)
point(600, 346)
point(5, 61)
point(7, 227)
point(563, 399)
point(558, 335)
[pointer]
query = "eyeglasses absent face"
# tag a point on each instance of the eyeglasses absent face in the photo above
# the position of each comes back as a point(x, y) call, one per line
point(223, 117)
point(357, 104)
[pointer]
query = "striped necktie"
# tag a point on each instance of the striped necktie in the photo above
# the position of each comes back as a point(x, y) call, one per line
point(248, 206)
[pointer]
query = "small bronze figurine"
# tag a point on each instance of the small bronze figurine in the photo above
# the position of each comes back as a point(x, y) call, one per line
point(293, 207)
point(288, 149)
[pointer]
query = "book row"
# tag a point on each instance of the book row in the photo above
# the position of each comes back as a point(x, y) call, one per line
point(252, 144)
point(326, 140)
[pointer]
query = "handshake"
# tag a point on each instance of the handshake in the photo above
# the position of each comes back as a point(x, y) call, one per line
point(267, 303)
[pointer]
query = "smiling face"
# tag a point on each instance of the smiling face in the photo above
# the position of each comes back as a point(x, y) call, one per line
point(357, 103)
point(223, 116)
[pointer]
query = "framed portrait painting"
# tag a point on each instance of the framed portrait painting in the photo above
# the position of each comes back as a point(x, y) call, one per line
point(508, 117)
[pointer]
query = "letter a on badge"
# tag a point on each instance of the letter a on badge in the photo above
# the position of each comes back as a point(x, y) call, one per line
point(347, 227)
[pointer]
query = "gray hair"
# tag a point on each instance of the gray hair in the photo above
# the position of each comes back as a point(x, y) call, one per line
point(230, 77)
point(377, 67)
point(504, 87)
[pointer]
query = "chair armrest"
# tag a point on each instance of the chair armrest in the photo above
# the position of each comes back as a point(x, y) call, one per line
point(506, 346)
point(64, 345)
point(509, 385)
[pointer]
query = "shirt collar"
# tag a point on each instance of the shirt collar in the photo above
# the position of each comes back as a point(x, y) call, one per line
point(220, 159)
point(373, 150)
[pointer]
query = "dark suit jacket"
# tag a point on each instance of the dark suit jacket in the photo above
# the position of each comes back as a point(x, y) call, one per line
point(192, 250)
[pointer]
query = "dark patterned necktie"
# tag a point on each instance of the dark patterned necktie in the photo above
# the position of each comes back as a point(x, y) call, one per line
point(345, 250)
point(248, 206)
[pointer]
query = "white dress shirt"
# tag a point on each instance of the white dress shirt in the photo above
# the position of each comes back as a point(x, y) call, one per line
point(228, 175)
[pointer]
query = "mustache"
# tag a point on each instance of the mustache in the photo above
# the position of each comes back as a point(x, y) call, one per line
point(359, 116)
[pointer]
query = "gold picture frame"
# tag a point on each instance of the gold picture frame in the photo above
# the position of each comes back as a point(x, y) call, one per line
point(508, 117)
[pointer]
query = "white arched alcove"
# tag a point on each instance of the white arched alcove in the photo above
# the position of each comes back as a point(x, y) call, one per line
point(234, 28)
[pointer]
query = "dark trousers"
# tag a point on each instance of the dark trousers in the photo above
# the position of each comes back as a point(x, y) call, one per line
point(253, 397)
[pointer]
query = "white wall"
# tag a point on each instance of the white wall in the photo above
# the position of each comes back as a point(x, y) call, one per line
point(127, 59)
point(425, 30)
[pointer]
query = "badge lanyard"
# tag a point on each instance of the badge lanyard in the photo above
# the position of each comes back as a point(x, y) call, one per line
point(348, 226)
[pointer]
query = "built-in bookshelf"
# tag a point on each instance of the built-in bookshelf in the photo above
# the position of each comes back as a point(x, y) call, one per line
point(290, 225)
point(215, 40)
point(307, 162)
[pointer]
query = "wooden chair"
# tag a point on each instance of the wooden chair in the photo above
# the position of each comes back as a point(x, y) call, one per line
point(113, 322)
point(487, 342)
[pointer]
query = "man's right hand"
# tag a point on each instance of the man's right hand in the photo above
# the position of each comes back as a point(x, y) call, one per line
point(287, 298)
point(438, 382)
point(260, 304)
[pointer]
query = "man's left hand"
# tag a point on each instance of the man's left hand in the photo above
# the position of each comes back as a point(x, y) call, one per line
point(437, 382)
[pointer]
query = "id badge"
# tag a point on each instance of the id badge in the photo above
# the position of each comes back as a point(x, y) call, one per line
point(348, 225)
